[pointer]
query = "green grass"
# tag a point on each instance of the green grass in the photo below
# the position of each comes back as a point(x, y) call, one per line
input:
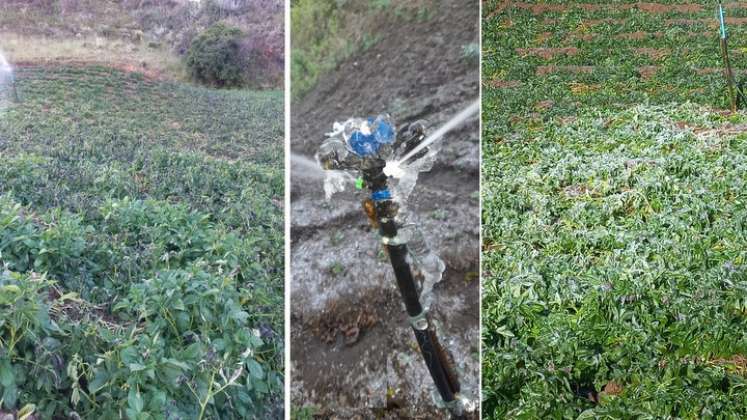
point(318, 42)
point(325, 33)
point(613, 217)
point(303, 413)
point(140, 247)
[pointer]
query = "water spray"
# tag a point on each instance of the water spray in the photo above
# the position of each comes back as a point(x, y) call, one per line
point(7, 77)
point(395, 170)
point(309, 167)
point(365, 148)
point(736, 94)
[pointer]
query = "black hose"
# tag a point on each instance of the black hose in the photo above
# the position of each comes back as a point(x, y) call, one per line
point(405, 281)
point(434, 355)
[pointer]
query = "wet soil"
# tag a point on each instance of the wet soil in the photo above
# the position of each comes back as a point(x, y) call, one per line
point(353, 352)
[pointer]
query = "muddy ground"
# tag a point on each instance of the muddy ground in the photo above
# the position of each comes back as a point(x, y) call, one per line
point(353, 352)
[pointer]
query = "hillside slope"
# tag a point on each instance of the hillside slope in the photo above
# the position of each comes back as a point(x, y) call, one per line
point(150, 36)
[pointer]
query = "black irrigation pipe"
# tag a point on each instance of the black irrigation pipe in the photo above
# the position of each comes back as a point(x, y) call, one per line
point(383, 209)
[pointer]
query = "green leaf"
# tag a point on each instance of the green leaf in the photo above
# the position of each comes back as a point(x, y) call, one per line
point(26, 411)
point(135, 400)
point(587, 414)
point(75, 396)
point(129, 355)
point(178, 305)
point(6, 374)
point(192, 351)
point(136, 367)
point(240, 316)
point(10, 396)
point(100, 379)
point(255, 369)
point(10, 289)
point(177, 363)
point(131, 414)
point(261, 387)
point(502, 330)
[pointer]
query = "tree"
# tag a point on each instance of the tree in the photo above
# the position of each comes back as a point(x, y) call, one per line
point(215, 56)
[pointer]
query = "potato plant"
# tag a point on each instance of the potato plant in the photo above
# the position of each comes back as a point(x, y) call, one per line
point(140, 248)
point(613, 213)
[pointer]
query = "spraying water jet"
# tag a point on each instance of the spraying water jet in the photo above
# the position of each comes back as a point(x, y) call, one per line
point(7, 80)
point(363, 149)
point(395, 168)
point(309, 167)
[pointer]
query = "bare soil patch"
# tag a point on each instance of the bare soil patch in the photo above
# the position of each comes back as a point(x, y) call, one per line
point(646, 72)
point(547, 53)
point(551, 69)
point(653, 53)
point(713, 23)
point(640, 35)
point(539, 9)
point(503, 84)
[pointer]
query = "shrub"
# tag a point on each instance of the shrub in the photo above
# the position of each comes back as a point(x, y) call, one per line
point(215, 56)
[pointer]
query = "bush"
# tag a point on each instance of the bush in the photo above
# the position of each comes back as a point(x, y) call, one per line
point(215, 56)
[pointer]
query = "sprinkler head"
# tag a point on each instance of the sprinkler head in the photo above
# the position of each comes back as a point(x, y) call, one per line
point(367, 138)
point(358, 144)
point(369, 149)
point(461, 406)
point(366, 143)
point(332, 155)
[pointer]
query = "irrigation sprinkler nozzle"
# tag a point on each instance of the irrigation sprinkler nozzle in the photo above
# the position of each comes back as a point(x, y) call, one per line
point(737, 97)
point(361, 149)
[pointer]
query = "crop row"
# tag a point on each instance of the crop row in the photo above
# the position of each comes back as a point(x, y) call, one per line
point(614, 267)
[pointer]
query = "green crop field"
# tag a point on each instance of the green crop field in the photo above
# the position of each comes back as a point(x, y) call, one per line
point(141, 237)
point(614, 212)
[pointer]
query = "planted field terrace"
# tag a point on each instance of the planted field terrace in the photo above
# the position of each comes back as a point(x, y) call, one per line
point(614, 212)
point(140, 248)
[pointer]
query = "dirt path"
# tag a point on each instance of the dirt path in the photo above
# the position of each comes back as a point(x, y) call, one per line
point(353, 352)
